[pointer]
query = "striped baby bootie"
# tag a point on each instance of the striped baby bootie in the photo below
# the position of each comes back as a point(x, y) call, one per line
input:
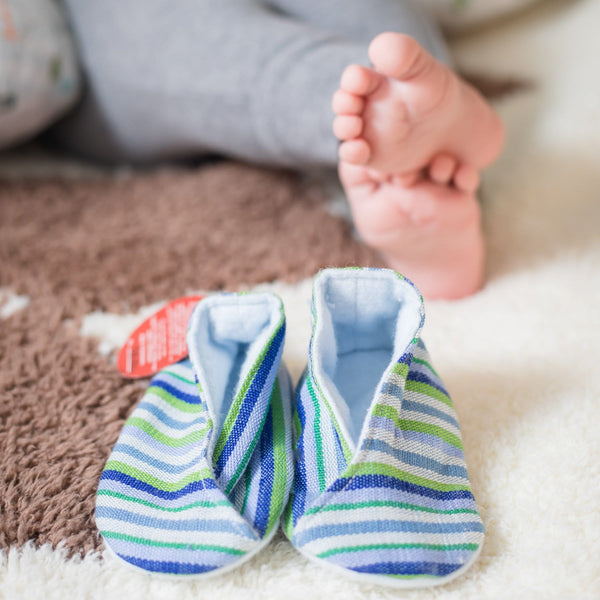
point(381, 490)
point(202, 469)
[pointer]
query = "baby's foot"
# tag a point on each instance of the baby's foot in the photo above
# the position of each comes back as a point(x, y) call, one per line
point(427, 230)
point(410, 108)
point(414, 136)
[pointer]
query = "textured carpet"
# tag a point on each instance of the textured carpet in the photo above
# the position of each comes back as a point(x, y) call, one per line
point(75, 247)
point(82, 259)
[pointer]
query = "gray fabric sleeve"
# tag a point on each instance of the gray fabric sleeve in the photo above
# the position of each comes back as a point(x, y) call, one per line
point(362, 20)
point(178, 80)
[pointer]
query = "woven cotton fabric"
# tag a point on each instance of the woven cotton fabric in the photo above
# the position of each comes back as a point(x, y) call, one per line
point(179, 497)
point(398, 504)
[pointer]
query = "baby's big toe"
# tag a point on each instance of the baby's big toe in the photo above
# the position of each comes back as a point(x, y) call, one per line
point(398, 55)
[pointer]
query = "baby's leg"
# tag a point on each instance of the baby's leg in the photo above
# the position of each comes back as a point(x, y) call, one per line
point(414, 136)
point(178, 79)
point(173, 80)
point(363, 20)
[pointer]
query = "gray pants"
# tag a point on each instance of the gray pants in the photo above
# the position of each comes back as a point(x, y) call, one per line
point(243, 78)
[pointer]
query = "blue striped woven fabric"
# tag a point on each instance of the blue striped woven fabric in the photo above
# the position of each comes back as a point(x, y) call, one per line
point(381, 489)
point(203, 467)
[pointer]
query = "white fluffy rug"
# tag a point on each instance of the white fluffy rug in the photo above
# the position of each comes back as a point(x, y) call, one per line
point(521, 358)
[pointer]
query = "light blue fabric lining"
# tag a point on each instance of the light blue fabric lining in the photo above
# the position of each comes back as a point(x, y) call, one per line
point(362, 324)
point(231, 332)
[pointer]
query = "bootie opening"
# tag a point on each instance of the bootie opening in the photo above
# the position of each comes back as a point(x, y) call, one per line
point(227, 333)
point(365, 320)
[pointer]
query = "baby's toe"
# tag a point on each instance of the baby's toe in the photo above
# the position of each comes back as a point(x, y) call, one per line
point(407, 179)
point(467, 179)
point(355, 152)
point(442, 169)
point(347, 127)
point(345, 103)
point(360, 80)
point(399, 56)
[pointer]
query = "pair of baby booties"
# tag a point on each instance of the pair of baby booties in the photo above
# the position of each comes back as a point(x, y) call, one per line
point(364, 465)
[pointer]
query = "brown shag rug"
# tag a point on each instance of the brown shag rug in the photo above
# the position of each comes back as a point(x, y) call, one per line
point(115, 245)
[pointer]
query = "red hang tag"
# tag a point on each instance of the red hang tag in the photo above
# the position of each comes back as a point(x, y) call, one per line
point(159, 341)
